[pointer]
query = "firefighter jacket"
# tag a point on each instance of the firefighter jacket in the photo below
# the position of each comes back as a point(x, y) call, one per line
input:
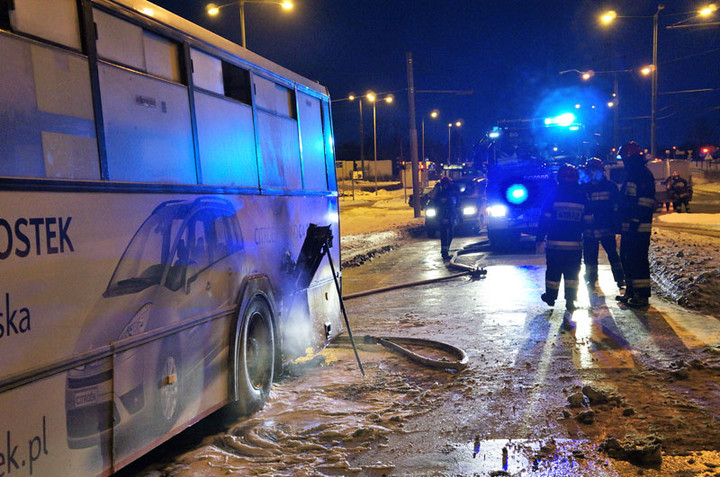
point(563, 218)
point(679, 188)
point(603, 199)
point(637, 200)
point(445, 202)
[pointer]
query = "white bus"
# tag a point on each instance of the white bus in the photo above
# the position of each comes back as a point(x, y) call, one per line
point(157, 183)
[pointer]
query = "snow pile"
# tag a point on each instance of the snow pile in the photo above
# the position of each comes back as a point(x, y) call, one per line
point(686, 267)
point(373, 223)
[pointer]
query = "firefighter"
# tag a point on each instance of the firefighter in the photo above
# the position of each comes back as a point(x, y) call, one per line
point(603, 196)
point(562, 221)
point(445, 202)
point(680, 192)
point(637, 203)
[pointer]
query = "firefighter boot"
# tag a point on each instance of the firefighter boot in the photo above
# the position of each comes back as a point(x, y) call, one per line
point(638, 301)
point(445, 252)
point(546, 298)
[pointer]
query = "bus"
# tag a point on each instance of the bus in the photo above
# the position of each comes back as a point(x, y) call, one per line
point(161, 193)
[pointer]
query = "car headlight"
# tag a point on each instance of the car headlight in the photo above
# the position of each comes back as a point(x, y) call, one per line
point(138, 323)
point(430, 212)
point(469, 210)
point(497, 210)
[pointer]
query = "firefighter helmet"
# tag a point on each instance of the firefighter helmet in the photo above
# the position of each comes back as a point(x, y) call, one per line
point(568, 174)
point(595, 163)
point(630, 150)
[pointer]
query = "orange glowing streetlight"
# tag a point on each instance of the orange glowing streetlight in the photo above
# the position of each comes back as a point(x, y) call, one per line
point(213, 9)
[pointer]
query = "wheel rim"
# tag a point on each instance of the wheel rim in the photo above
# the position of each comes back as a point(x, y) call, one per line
point(169, 392)
point(259, 351)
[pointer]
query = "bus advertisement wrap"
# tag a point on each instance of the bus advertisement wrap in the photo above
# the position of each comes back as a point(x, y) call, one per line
point(125, 302)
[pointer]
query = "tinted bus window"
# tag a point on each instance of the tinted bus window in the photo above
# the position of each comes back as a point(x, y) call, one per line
point(279, 152)
point(313, 150)
point(207, 71)
point(226, 140)
point(53, 20)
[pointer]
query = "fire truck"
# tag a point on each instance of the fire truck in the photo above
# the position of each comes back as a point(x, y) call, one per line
point(522, 158)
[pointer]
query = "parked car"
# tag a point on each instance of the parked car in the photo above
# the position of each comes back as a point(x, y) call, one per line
point(471, 207)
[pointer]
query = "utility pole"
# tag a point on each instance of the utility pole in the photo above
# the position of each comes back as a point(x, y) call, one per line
point(413, 137)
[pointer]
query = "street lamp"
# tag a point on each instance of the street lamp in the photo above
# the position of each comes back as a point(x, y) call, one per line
point(372, 97)
point(434, 114)
point(213, 9)
point(450, 125)
point(361, 133)
point(608, 18)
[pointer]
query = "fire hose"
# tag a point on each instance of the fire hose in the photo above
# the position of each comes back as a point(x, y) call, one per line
point(395, 343)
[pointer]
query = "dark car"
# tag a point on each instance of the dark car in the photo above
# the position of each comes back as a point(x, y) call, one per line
point(470, 207)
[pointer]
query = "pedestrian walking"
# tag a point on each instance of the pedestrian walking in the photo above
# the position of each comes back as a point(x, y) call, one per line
point(637, 203)
point(445, 202)
point(680, 192)
point(603, 197)
point(562, 222)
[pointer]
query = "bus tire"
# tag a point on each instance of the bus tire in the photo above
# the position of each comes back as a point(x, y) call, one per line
point(254, 360)
point(169, 384)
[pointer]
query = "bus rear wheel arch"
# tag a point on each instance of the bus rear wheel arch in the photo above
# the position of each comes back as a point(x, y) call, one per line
point(254, 356)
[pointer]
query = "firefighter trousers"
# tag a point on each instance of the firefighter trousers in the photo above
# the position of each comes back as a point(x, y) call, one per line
point(591, 252)
point(634, 249)
point(446, 237)
point(562, 265)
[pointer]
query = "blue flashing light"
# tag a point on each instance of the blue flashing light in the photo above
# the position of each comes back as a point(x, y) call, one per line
point(495, 133)
point(563, 120)
point(516, 194)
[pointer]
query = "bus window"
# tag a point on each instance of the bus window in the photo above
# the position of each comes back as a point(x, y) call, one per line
point(311, 136)
point(226, 140)
point(119, 41)
point(147, 128)
point(278, 136)
point(279, 152)
point(274, 98)
point(53, 20)
point(329, 147)
point(207, 71)
point(55, 135)
point(122, 42)
point(236, 82)
point(162, 57)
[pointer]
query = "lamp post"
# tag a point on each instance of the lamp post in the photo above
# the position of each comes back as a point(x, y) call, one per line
point(434, 114)
point(373, 99)
point(450, 125)
point(214, 9)
point(609, 17)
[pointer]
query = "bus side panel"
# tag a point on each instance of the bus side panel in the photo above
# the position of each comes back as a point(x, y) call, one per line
point(33, 433)
point(58, 252)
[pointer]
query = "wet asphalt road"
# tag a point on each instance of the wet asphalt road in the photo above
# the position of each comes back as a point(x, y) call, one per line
point(507, 412)
point(523, 363)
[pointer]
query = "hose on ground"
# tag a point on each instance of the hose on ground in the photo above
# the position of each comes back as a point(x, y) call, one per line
point(394, 343)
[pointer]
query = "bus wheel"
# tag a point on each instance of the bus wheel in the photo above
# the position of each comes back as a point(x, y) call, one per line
point(169, 383)
point(254, 357)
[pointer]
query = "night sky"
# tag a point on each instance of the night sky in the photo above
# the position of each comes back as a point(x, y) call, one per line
point(508, 53)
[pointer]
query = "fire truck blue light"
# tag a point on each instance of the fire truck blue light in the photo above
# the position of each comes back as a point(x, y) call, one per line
point(516, 194)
